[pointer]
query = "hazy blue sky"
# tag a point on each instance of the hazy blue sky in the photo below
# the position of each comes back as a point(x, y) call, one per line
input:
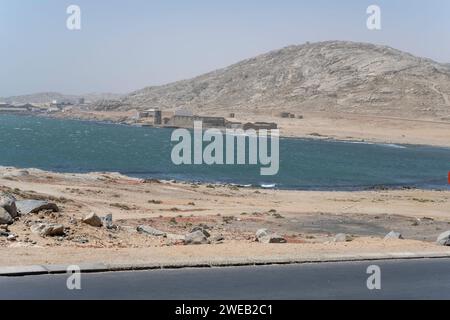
point(127, 45)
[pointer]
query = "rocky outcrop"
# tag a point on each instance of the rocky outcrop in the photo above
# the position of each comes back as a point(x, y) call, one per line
point(332, 76)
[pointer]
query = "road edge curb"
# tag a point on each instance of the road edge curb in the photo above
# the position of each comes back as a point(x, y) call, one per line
point(34, 270)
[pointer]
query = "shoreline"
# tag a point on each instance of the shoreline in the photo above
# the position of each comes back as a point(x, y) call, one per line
point(287, 131)
point(309, 220)
point(309, 137)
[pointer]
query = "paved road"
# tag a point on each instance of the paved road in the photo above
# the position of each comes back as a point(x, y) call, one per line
point(409, 279)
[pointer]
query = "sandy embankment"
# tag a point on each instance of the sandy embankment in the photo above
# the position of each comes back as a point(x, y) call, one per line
point(308, 220)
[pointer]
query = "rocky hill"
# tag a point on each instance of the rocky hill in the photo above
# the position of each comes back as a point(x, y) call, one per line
point(48, 97)
point(333, 76)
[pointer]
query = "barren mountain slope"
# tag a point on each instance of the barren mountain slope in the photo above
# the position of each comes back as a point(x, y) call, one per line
point(47, 97)
point(327, 76)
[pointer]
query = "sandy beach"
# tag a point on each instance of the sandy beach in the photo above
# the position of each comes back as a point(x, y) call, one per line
point(308, 220)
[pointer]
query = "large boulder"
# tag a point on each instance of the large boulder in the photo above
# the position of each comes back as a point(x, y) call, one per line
point(8, 202)
point(151, 231)
point(35, 206)
point(93, 220)
point(48, 229)
point(195, 238)
point(444, 239)
point(265, 236)
point(5, 217)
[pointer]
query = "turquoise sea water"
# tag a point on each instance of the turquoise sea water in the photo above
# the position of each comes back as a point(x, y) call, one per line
point(77, 146)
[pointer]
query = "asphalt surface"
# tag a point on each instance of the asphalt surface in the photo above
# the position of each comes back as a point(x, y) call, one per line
point(405, 279)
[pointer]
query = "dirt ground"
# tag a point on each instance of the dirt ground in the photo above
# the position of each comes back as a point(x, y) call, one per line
point(308, 220)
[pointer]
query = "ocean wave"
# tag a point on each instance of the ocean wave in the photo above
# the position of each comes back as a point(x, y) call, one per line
point(389, 145)
point(268, 186)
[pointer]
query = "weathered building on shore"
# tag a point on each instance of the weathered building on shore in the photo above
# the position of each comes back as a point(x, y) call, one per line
point(260, 126)
point(188, 121)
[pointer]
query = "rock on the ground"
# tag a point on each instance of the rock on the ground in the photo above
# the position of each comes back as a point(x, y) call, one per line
point(48, 229)
point(393, 236)
point(93, 220)
point(342, 237)
point(151, 231)
point(196, 238)
point(35, 206)
point(265, 236)
point(5, 217)
point(201, 229)
point(8, 202)
point(444, 239)
point(108, 221)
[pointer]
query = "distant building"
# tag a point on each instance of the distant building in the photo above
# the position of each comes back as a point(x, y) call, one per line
point(81, 101)
point(157, 119)
point(142, 115)
point(184, 112)
point(188, 121)
point(53, 109)
point(260, 126)
point(12, 109)
point(234, 125)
